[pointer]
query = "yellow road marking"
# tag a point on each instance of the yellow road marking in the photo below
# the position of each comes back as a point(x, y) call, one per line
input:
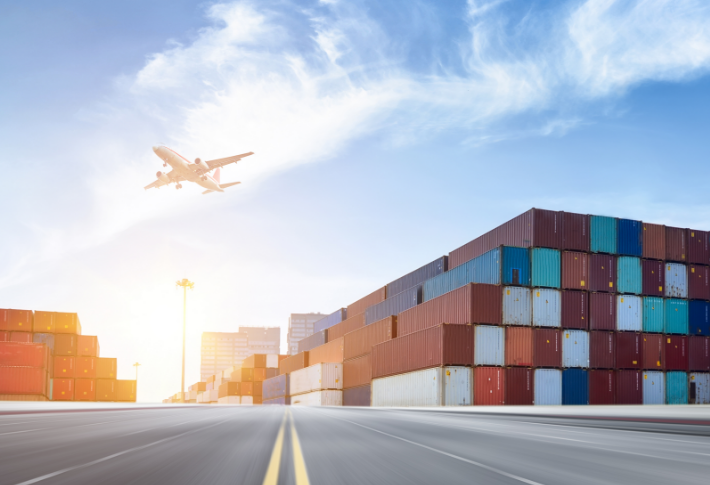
point(272, 473)
point(299, 463)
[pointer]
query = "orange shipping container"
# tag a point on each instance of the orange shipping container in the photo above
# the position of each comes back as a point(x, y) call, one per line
point(519, 346)
point(346, 326)
point(106, 390)
point(87, 345)
point(106, 368)
point(261, 375)
point(360, 341)
point(64, 367)
point(126, 390)
point(85, 390)
point(22, 337)
point(18, 321)
point(293, 363)
point(65, 344)
point(4, 336)
point(23, 397)
point(255, 361)
point(43, 322)
point(67, 323)
point(357, 371)
point(242, 375)
point(86, 367)
point(23, 380)
point(252, 389)
point(62, 389)
point(330, 352)
point(373, 298)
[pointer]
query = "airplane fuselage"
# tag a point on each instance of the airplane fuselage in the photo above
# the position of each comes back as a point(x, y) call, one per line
point(186, 169)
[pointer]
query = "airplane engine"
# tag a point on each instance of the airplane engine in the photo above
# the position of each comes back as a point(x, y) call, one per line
point(162, 177)
point(202, 165)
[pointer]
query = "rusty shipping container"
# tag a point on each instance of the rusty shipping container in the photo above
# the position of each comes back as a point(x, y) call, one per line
point(547, 347)
point(576, 232)
point(473, 303)
point(602, 311)
point(330, 352)
point(675, 352)
point(23, 380)
point(373, 298)
point(629, 388)
point(43, 322)
point(357, 372)
point(698, 250)
point(489, 386)
point(629, 350)
point(699, 354)
point(361, 341)
point(519, 346)
point(85, 390)
point(293, 363)
point(534, 228)
point(602, 350)
point(698, 282)
point(676, 244)
point(653, 275)
point(575, 271)
point(602, 387)
point(17, 354)
point(654, 241)
point(87, 345)
point(67, 323)
point(519, 389)
point(106, 368)
point(575, 309)
point(652, 353)
point(351, 324)
point(602, 273)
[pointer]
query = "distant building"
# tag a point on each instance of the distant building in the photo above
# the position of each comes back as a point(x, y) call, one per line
point(221, 350)
point(263, 340)
point(300, 326)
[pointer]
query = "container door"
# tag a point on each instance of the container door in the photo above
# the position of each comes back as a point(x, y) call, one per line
point(691, 393)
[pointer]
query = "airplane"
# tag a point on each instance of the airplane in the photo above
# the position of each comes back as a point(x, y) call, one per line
point(198, 172)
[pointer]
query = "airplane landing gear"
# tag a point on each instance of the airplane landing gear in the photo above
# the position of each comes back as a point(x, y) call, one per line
point(178, 186)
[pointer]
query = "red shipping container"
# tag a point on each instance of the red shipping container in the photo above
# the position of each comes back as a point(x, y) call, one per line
point(602, 387)
point(575, 271)
point(86, 367)
point(676, 244)
point(519, 386)
point(4, 323)
point(698, 250)
point(43, 322)
point(519, 346)
point(602, 273)
point(22, 337)
point(373, 298)
point(488, 386)
point(629, 350)
point(675, 352)
point(346, 326)
point(64, 367)
point(106, 390)
point(106, 368)
point(447, 344)
point(17, 354)
point(473, 303)
point(576, 232)
point(652, 351)
point(602, 350)
point(699, 354)
point(87, 345)
point(85, 390)
point(357, 372)
point(653, 277)
point(575, 309)
point(547, 347)
point(65, 344)
point(360, 342)
point(654, 241)
point(23, 380)
point(698, 282)
point(4, 336)
point(18, 320)
point(602, 311)
point(629, 389)
point(62, 389)
point(67, 323)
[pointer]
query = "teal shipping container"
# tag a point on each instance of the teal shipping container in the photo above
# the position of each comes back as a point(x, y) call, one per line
point(628, 275)
point(653, 314)
point(603, 234)
point(676, 316)
point(545, 264)
point(676, 387)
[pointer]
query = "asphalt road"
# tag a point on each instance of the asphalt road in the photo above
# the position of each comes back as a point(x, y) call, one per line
point(270, 445)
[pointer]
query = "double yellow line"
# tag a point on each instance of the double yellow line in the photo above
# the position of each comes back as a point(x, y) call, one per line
point(299, 464)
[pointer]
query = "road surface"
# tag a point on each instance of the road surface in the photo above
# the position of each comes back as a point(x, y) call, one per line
point(292, 445)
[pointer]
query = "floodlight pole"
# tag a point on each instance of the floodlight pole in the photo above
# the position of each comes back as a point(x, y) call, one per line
point(185, 283)
point(136, 366)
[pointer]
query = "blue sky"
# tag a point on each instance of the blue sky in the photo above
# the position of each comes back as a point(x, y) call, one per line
point(386, 134)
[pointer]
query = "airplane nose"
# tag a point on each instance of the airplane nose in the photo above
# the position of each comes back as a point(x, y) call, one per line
point(156, 148)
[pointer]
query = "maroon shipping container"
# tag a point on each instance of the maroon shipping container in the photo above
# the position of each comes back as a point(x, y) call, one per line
point(23, 380)
point(698, 282)
point(473, 303)
point(575, 309)
point(653, 277)
point(576, 232)
point(346, 326)
point(602, 387)
point(654, 241)
point(602, 311)
point(652, 351)
point(488, 386)
point(447, 344)
point(629, 389)
point(575, 271)
point(360, 341)
point(675, 352)
point(602, 273)
point(676, 244)
point(373, 298)
point(18, 354)
point(519, 386)
point(547, 347)
point(698, 250)
point(519, 346)
point(534, 228)
point(699, 354)
point(602, 350)
point(629, 350)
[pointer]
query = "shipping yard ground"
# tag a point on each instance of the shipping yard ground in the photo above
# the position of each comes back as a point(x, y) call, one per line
point(231, 444)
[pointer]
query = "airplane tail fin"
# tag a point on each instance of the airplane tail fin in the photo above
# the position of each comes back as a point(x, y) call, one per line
point(216, 174)
point(224, 186)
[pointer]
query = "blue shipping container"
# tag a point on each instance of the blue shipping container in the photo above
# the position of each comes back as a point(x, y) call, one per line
point(653, 314)
point(545, 267)
point(276, 387)
point(332, 319)
point(628, 275)
point(602, 233)
point(676, 387)
point(282, 401)
point(394, 305)
point(313, 341)
point(44, 338)
point(630, 237)
point(575, 387)
point(676, 316)
point(418, 276)
point(698, 317)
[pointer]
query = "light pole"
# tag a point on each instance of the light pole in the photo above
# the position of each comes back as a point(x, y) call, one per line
point(136, 366)
point(185, 283)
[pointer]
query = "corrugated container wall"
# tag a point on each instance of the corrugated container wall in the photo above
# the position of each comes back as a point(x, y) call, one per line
point(675, 352)
point(545, 267)
point(519, 386)
point(547, 348)
point(318, 398)
point(575, 387)
point(699, 388)
point(698, 250)
point(654, 241)
point(418, 276)
point(699, 354)
point(361, 305)
point(676, 244)
point(548, 387)
point(440, 386)
point(313, 341)
point(357, 396)
point(629, 387)
point(629, 350)
point(698, 317)
point(346, 326)
point(330, 352)
point(332, 319)
point(546, 307)
point(575, 271)
point(316, 377)
point(602, 311)
point(676, 316)
point(576, 232)
point(602, 387)
point(602, 273)
point(676, 387)
point(276, 387)
point(652, 351)
point(394, 305)
point(575, 348)
point(630, 239)
point(489, 346)
point(676, 280)
point(628, 274)
point(293, 363)
point(519, 346)
point(698, 282)
point(603, 234)
point(360, 341)
point(654, 275)
point(575, 309)
point(653, 314)
point(517, 306)
point(629, 313)
point(602, 350)
point(488, 386)
point(357, 372)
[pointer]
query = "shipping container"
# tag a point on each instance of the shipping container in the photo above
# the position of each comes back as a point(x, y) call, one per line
point(468, 304)
point(229, 400)
point(546, 307)
point(602, 311)
point(519, 346)
point(699, 354)
point(255, 361)
point(654, 241)
point(126, 390)
point(654, 387)
point(602, 350)
point(43, 322)
point(293, 363)
point(418, 276)
point(332, 319)
point(698, 250)
point(438, 386)
point(313, 341)
point(260, 375)
point(66, 344)
point(676, 244)
point(628, 273)
point(317, 377)
point(21, 337)
point(629, 313)
point(603, 234)
point(85, 367)
point(357, 372)
point(652, 352)
point(23, 380)
point(602, 273)
point(699, 388)
point(547, 348)
point(85, 390)
point(280, 401)
point(548, 387)
point(229, 389)
point(675, 352)
point(360, 341)
point(87, 345)
point(394, 305)
point(357, 396)
point(629, 387)
point(489, 386)
point(276, 387)
point(698, 282)
point(198, 386)
point(575, 309)
point(360, 306)
point(676, 317)
point(676, 387)
point(255, 389)
point(517, 306)
point(698, 317)
point(106, 368)
point(629, 350)
point(351, 324)
point(653, 314)
point(575, 348)
point(4, 336)
point(18, 354)
point(575, 271)
point(519, 386)
point(64, 367)
point(18, 320)
point(654, 277)
point(602, 387)
point(576, 232)
point(630, 237)
point(489, 345)
point(67, 323)
point(330, 352)
point(676, 280)
point(243, 374)
point(534, 228)
point(545, 267)
point(575, 387)
point(62, 389)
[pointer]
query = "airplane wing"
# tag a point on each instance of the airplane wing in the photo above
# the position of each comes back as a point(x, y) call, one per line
point(221, 162)
point(159, 183)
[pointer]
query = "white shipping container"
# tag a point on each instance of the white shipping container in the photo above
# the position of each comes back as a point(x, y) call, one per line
point(676, 280)
point(517, 307)
point(654, 387)
point(489, 345)
point(248, 400)
point(229, 400)
point(699, 392)
point(317, 377)
point(575, 348)
point(546, 307)
point(214, 395)
point(272, 361)
point(318, 398)
point(629, 313)
point(548, 387)
point(439, 386)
